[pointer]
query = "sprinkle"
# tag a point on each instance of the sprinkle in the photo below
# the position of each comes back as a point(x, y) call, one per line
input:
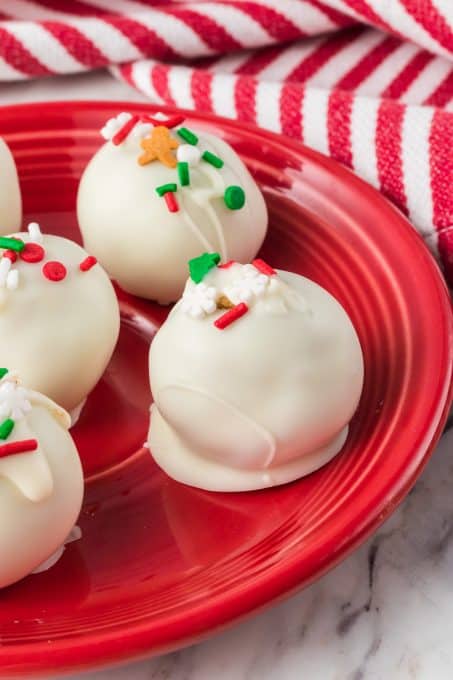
point(123, 132)
point(5, 266)
point(159, 146)
point(15, 244)
point(113, 125)
point(141, 130)
point(198, 301)
point(224, 302)
point(160, 116)
point(12, 280)
point(183, 173)
point(168, 122)
point(226, 265)
point(23, 446)
point(172, 203)
point(231, 316)
point(212, 159)
point(3, 372)
point(32, 252)
point(165, 188)
point(6, 428)
point(249, 285)
point(187, 135)
point(200, 266)
point(234, 197)
point(11, 255)
point(186, 153)
point(14, 401)
point(54, 271)
point(264, 268)
point(35, 232)
point(88, 263)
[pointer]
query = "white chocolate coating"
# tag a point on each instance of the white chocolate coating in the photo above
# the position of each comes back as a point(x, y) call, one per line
point(262, 402)
point(142, 245)
point(10, 196)
point(59, 335)
point(41, 491)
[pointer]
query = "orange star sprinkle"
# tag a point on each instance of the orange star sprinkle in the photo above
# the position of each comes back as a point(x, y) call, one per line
point(159, 147)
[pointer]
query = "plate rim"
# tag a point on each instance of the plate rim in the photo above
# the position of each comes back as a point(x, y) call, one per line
point(120, 644)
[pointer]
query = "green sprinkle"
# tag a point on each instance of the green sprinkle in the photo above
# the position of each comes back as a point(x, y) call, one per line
point(212, 159)
point(3, 372)
point(165, 188)
point(188, 136)
point(6, 428)
point(183, 172)
point(200, 266)
point(12, 244)
point(234, 197)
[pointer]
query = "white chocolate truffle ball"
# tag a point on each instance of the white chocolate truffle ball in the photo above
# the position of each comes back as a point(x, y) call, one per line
point(10, 196)
point(256, 395)
point(132, 230)
point(59, 316)
point(41, 481)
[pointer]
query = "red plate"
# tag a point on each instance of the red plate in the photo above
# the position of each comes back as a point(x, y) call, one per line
point(160, 564)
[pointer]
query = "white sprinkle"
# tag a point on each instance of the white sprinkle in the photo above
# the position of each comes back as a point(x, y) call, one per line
point(160, 116)
point(141, 130)
point(107, 131)
point(187, 153)
point(123, 118)
point(252, 284)
point(114, 125)
point(196, 312)
point(199, 300)
point(5, 266)
point(14, 401)
point(35, 232)
point(12, 279)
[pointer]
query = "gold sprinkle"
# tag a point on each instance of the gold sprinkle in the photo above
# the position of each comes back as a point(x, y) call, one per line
point(223, 302)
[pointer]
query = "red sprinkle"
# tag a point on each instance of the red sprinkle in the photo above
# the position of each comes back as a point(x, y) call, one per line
point(263, 267)
point(32, 252)
point(124, 131)
point(23, 446)
point(11, 255)
point(54, 271)
point(170, 200)
point(169, 123)
point(227, 265)
point(231, 315)
point(87, 263)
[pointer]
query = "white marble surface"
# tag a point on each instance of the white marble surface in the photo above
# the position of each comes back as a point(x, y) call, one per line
point(386, 613)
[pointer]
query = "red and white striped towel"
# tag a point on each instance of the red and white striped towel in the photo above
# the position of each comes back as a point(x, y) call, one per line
point(368, 82)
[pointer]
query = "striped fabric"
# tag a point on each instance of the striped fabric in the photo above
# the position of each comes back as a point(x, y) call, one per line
point(368, 82)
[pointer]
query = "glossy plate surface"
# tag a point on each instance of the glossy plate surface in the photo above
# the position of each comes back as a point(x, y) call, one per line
point(161, 564)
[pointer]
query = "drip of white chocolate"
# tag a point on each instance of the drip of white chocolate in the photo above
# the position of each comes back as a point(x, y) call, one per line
point(29, 472)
